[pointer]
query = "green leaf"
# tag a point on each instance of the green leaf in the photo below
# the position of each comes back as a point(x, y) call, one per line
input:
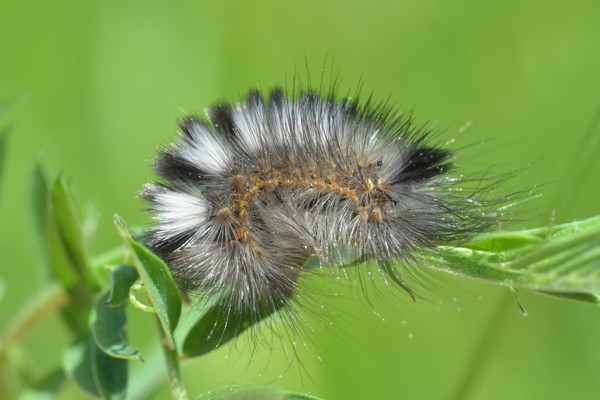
point(562, 261)
point(253, 393)
point(220, 323)
point(51, 208)
point(47, 388)
point(70, 232)
point(157, 280)
point(108, 325)
point(122, 277)
point(94, 371)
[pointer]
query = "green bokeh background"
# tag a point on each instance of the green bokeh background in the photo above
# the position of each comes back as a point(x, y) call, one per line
point(98, 85)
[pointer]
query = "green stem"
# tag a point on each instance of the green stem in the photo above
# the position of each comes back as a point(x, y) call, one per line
point(173, 370)
point(51, 299)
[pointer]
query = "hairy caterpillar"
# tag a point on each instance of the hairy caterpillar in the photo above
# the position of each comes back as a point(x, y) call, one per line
point(252, 191)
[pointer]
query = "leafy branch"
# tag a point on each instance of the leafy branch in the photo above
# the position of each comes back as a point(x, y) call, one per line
point(92, 293)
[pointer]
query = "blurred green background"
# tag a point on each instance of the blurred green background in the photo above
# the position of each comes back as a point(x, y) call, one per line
point(97, 86)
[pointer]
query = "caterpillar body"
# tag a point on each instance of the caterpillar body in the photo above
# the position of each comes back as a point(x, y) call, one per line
point(251, 191)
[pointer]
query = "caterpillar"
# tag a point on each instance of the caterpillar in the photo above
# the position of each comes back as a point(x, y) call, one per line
point(250, 191)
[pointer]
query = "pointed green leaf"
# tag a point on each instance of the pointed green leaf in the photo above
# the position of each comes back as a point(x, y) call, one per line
point(562, 261)
point(220, 323)
point(94, 371)
point(157, 280)
point(253, 392)
point(70, 232)
point(122, 277)
point(108, 325)
point(49, 203)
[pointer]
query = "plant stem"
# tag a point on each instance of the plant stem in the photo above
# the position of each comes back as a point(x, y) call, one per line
point(51, 299)
point(172, 362)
